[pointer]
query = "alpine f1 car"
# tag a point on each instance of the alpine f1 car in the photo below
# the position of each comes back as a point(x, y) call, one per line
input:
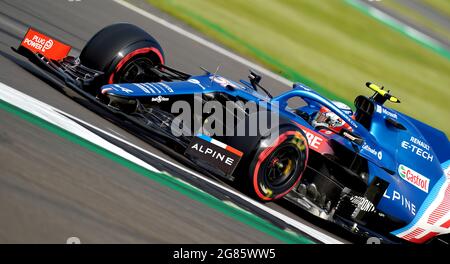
point(375, 171)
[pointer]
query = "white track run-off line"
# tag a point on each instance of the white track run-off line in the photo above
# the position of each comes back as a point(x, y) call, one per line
point(383, 16)
point(56, 117)
point(53, 116)
point(204, 42)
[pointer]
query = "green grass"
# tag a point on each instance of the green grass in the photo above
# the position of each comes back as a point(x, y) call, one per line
point(329, 42)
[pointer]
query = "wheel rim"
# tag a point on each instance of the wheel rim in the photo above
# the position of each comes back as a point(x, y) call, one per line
point(281, 166)
point(137, 71)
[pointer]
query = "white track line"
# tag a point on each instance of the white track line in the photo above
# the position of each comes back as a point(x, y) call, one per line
point(56, 117)
point(204, 42)
point(409, 30)
point(52, 115)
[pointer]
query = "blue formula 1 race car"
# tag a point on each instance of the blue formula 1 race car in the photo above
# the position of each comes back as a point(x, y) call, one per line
point(375, 171)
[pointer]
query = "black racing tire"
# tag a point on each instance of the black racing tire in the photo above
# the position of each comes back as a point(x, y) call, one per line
point(118, 45)
point(278, 167)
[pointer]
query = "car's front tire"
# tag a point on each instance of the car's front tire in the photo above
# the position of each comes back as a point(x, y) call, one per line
point(123, 52)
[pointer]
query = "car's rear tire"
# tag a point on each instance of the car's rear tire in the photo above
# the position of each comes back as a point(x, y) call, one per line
point(277, 168)
point(114, 48)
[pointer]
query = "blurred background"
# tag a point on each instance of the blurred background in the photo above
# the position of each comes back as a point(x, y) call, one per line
point(335, 46)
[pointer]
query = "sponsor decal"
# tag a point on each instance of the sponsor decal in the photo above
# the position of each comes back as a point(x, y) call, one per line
point(116, 87)
point(397, 197)
point(414, 178)
point(42, 44)
point(350, 121)
point(314, 140)
point(143, 88)
point(150, 87)
point(432, 219)
point(419, 143)
point(420, 149)
point(382, 110)
point(214, 152)
point(362, 203)
point(372, 151)
point(160, 99)
point(128, 91)
point(222, 81)
point(197, 82)
point(194, 81)
point(165, 86)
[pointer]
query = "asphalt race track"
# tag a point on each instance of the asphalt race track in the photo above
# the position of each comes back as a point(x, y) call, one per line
point(52, 189)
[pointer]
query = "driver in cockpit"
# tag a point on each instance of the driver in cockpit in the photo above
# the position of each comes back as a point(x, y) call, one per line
point(326, 119)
